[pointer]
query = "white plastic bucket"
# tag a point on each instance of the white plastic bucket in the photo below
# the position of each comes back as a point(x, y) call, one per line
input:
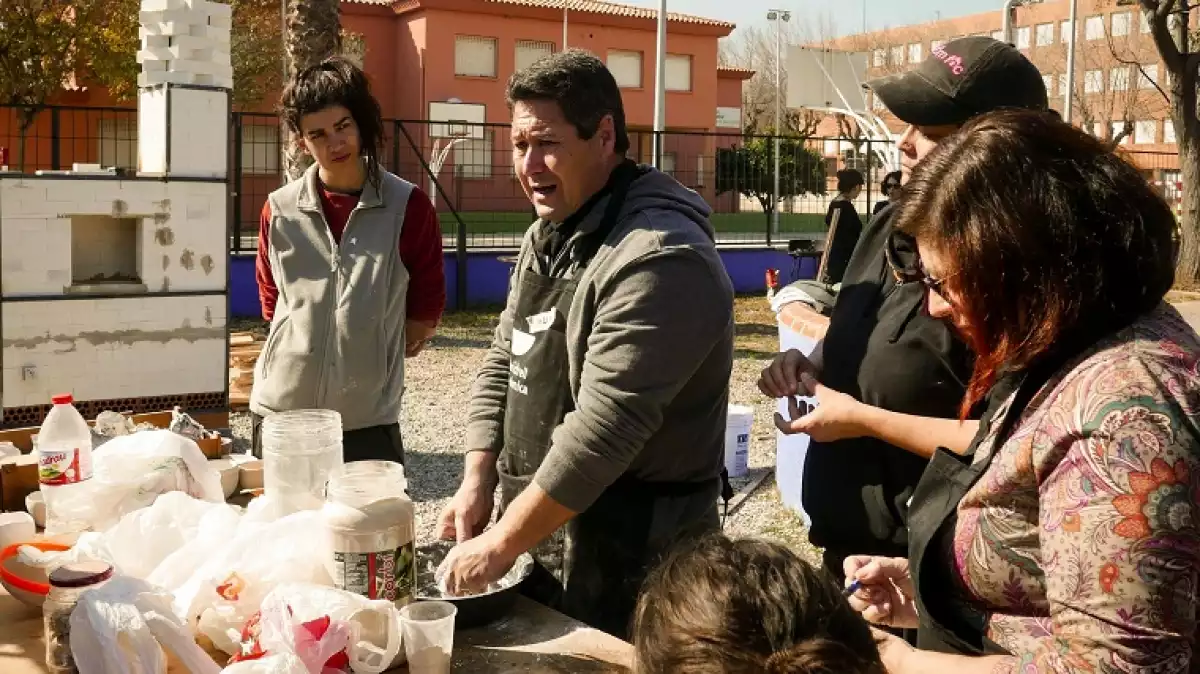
point(737, 439)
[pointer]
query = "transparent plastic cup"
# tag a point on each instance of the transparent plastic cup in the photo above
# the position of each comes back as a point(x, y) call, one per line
point(301, 449)
point(428, 629)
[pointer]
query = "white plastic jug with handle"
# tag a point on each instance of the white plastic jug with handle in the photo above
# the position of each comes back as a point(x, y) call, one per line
point(64, 451)
point(737, 439)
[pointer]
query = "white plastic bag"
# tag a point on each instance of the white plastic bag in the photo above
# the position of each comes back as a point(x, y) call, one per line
point(122, 628)
point(279, 663)
point(131, 471)
point(374, 638)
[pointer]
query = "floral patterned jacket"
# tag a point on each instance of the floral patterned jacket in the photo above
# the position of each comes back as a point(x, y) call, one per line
point(1081, 542)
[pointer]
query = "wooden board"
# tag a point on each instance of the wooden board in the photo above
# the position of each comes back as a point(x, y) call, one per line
point(533, 640)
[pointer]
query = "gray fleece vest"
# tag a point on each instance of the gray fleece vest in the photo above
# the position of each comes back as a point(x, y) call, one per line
point(337, 336)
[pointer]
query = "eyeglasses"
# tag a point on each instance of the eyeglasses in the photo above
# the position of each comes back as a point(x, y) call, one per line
point(906, 265)
point(932, 283)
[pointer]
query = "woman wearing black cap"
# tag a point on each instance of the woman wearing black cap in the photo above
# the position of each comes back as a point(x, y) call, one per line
point(844, 225)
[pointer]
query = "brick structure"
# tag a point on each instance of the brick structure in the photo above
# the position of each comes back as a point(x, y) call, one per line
point(803, 320)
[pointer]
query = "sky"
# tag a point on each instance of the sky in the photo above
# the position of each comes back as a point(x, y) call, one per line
point(846, 15)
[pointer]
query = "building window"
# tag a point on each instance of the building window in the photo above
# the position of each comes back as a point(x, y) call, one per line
point(877, 104)
point(879, 58)
point(473, 157)
point(1118, 79)
point(998, 35)
point(678, 72)
point(1145, 132)
point(1062, 84)
point(529, 51)
point(626, 67)
point(118, 143)
point(914, 53)
point(1023, 37)
point(1168, 132)
point(1048, 80)
point(260, 148)
point(1120, 24)
point(474, 56)
point(1064, 31)
point(1045, 34)
point(1145, 23)
point(1098, 129)
point(897, 56)
point(1117, 127)
point(1093, 82)
point(1148, 76)
point(668, 163)
point(1093, 28)
point(936, 45)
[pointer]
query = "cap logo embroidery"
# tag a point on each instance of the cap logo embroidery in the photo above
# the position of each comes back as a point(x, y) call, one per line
point(952, 61)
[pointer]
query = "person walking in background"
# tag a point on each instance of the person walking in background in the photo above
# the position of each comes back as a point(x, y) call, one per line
point(889, 187)
point(349, 270)
point(1067, 539)
point(844, 225)
point(891, 378)
point(601, 405)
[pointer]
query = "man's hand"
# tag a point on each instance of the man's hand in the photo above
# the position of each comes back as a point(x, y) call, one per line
point(886, 596)
point(468, 513)
point(836, 416)
point(471, 565)
point(781, 379)
point(417, 335)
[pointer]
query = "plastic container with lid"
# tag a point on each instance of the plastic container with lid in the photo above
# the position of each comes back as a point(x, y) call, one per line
point(67, 584)
point(371, 531)
point(301, 449)
point(64, 450)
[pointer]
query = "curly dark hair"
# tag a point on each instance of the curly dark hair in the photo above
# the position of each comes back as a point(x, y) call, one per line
point(1051, 239)
point(722, 606)
point(581, 85)
point(337, 81)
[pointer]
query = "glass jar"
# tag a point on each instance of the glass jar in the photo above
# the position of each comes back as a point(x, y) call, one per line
point(67, 584)
point(301, 449)
point(372, 530)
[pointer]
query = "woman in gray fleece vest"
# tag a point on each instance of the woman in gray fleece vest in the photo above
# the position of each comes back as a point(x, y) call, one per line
point(349, 270)
point(600, 409)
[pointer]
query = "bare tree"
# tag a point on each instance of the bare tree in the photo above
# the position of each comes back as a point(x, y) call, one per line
point(755, 49)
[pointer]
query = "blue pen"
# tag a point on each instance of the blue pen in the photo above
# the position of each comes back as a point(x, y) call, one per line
point(852, 588)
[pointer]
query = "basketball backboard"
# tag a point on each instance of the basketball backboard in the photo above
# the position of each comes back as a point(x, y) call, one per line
point(825, 78)
point(456, 120)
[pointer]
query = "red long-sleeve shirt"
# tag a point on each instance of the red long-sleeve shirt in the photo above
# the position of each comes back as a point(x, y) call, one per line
point(420, 253)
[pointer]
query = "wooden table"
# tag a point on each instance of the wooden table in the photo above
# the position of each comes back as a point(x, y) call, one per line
point(533, 639)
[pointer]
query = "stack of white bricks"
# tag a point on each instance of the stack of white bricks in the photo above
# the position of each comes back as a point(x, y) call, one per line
point(185, 42)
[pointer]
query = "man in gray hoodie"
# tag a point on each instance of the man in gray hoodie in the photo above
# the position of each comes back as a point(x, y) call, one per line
point(600, 409)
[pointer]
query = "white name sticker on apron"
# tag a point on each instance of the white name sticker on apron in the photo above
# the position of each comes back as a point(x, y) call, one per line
point(543, 321)
point(522, 342)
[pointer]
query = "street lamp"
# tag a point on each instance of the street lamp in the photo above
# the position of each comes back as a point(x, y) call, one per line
point(660, 85)
point(1069, 94)
point(779, 16)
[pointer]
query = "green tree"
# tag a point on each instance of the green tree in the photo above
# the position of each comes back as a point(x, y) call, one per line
point(749, 170)
point(39, 54)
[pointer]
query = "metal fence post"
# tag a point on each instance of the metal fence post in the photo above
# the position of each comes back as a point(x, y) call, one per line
point(55, 140)
point(235, 120)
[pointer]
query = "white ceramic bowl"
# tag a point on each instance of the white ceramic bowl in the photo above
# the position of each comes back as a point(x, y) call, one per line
point(230, 474)
point(36, 505)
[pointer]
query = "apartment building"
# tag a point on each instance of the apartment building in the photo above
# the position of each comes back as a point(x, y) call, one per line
point(1119, 80)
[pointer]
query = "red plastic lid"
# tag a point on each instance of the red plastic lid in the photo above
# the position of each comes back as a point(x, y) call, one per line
point(81, 574)
point(62, 399)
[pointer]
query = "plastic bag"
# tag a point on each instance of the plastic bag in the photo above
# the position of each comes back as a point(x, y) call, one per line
point(122, 628)
point(373, 644)
point(131, 471)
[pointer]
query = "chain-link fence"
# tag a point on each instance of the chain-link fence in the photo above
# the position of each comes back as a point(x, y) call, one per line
point(468, 171)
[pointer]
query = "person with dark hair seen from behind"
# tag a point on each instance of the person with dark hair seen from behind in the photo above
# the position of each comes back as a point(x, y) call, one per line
point(889, 188)
point(349, 270)
point(722, 606)
point(600, 407)
point(889, 379)
point(1069, 541)
point(849, 226)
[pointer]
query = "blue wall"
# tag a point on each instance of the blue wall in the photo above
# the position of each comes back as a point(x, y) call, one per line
point(488, 276)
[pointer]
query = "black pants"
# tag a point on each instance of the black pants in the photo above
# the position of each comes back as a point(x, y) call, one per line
point(373, 443)
point(832, 561)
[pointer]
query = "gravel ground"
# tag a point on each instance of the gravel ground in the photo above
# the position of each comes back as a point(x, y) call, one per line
point(435, 413)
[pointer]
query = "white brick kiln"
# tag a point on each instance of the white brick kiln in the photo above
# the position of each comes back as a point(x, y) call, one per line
point(116, 288)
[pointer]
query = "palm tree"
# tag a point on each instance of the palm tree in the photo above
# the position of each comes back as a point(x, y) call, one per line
point(313, 35)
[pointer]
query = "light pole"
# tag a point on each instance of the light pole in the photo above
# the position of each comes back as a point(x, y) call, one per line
point(660, 84)
point(779, 16)
point(1069, 94)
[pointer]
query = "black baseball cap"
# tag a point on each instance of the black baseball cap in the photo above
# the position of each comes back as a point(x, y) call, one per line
point(961, 79)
